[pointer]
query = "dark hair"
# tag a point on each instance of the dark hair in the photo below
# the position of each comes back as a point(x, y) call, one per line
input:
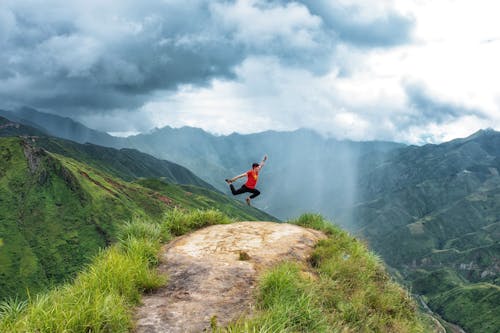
point(255, 165)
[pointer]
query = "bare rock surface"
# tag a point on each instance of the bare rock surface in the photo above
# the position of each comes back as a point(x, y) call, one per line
point(206, 277)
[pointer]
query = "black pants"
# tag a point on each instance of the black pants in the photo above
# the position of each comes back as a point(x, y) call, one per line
point(245, 189)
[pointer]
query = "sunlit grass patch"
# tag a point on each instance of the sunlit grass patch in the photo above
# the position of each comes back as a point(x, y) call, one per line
point(98, 300)
point(179, 222)
point(142, 229)
point(286, 303)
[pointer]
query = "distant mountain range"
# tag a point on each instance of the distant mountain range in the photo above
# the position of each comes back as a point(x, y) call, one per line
point(432, 212)
point(61, 127)
point(305, 171)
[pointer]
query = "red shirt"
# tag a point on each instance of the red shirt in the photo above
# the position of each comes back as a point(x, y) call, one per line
point(252, 178)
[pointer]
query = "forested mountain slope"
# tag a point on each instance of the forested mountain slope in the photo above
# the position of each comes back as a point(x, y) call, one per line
point(433, 212)
point(57, 212)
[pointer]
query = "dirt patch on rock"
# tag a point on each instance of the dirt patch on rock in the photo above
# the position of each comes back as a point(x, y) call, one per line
point(207, 276)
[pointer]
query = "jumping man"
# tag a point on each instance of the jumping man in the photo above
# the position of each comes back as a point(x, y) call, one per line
point(252, 177)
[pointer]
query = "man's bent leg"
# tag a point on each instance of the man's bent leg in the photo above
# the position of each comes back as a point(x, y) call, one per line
point(233, 191)
point(242, 189)
point(255, 192)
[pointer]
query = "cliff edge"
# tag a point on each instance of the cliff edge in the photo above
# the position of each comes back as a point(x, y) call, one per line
point(212, 273)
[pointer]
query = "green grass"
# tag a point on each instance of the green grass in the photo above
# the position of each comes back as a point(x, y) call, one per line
point(178, 223)
point(127, 164)
point(102, 296)
point(98, 300)
point(286, 303)
point(344, 289)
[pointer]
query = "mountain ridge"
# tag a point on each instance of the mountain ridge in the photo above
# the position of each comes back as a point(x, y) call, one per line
point(65, 127)
point(126, 163)
point(57, 212)
point(215, 158)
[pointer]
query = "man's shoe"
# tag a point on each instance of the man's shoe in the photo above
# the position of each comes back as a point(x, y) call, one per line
point(248, 201)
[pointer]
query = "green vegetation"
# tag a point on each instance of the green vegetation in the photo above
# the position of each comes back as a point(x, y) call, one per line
point(127, 164)
point(101, 297)
point(432, 213)
point(178, 225)
point(476, 307)
point(286, 303)
point(345, 289)
point(57, 213)
point(431, 283)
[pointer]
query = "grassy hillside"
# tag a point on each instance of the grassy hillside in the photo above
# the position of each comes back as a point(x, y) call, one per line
point(128, 164)
point(475, 306)
point(433, 213)
point(345, 288)
point(57, 212)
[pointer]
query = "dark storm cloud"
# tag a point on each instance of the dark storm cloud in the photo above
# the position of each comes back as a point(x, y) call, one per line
point(428, 109)
point(76, 62)
point(93, 56)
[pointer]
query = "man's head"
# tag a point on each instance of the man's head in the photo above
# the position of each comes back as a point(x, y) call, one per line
point(255, 165)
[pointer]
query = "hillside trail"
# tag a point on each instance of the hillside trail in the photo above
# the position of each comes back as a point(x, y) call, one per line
point(213, 272)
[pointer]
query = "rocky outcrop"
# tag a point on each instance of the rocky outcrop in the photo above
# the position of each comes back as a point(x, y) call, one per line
point(33, 155)
point(212, 273)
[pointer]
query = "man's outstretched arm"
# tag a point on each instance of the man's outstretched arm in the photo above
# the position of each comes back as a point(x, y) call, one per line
point(238, 177)
point(263, 162)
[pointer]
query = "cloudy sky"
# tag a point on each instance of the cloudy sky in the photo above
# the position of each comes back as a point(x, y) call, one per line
point(414, 71)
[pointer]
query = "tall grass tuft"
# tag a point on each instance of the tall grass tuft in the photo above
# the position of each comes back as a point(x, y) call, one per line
point(179, 222)
point(316, 221)
point(141, 229)
point(11, 309)
point(286, 303)
point(99, 298)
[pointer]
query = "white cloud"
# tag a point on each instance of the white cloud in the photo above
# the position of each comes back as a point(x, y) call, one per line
point(269, 95)
point(257, 23)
